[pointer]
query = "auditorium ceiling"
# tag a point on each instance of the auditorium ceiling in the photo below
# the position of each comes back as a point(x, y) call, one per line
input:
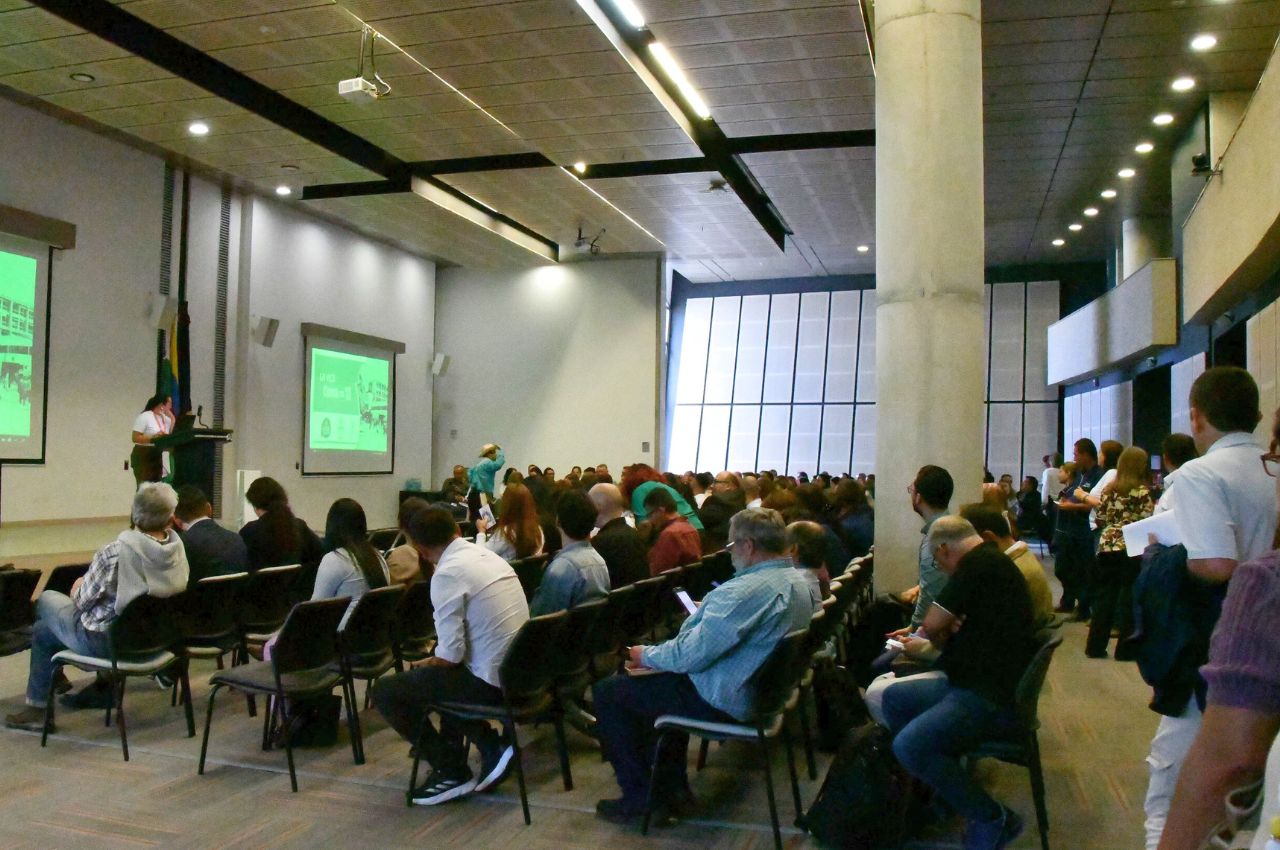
point(1070, 86)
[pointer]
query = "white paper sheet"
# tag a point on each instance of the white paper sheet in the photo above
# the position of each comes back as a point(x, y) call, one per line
point(1163, 525)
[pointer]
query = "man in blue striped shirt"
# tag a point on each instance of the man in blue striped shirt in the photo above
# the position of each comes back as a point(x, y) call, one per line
point(705, 671)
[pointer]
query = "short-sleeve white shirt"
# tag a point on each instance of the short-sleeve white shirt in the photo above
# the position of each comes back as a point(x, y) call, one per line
point(1226, 502)
point(148, 424)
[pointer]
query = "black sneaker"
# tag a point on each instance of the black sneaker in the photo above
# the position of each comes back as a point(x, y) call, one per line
point(443, 787)
point(620, 810)
point(90, 696)
point(164, 681)
point(495, 762)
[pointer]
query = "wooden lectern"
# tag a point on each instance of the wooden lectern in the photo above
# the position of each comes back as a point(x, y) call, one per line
point(193, 451)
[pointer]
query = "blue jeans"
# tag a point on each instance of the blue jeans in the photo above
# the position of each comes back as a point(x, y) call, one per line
point(626, 707)
point(57, 628)
point(934, 725)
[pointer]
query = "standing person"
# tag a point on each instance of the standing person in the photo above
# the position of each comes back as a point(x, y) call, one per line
point(480, 478)
point(479, 608)
point(1226, 511)
point(156, 420)
point(517, 533)
point(277, 537)
point(354, 567)
point(1175, 451)
point(1126, 499)
point(1073, 538)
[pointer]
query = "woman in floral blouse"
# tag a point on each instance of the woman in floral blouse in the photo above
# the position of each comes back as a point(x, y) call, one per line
point(1126, 499)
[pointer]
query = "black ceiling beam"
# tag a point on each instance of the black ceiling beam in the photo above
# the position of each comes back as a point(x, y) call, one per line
point(468, 164)
point(802, 141)
point(647, 168)
point(323, 191)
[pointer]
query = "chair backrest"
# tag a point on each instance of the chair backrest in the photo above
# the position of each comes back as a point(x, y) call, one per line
point(62, 577)
point(532, 660)
point(613, 634)
point(582, 633)
point(208, 609)
point(1026, 700)
point(415, 615)
point(16, 589)
point(773, 682)
point(529, 571)
point(266, 601)
point(383, 539)
point(718, 566)
point(641, 614)
point(147, 625)
point(370, 629)
point(309, 637)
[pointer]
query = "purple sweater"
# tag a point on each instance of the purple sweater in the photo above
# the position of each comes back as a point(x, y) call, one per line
point(1244, 655)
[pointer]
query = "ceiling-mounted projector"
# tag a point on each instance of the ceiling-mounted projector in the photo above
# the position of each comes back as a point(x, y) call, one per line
point(357, 88)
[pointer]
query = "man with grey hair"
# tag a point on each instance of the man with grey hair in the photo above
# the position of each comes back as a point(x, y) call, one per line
point(705, 670)
point(982, 624)
point(147, 560)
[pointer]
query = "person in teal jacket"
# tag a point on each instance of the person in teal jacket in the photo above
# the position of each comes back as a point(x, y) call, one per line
point(480, 478)
point(686, 510)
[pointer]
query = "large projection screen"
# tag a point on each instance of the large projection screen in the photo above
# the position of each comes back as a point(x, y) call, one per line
point(24, 353)
point(349, 410)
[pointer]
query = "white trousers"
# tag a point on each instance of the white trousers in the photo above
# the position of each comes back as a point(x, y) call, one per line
point(1169, 748)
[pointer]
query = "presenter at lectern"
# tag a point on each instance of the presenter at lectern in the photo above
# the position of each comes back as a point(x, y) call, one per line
point(155, 420)
point(481, 478)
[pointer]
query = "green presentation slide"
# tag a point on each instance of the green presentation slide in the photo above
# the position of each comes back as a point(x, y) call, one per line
point(348, 402)
point(17, 336)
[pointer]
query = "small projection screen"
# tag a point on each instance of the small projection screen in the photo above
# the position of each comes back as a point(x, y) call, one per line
point(24, 333)
point(349, 409)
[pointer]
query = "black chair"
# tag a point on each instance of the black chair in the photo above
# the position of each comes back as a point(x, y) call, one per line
point(527, 676)
point(303, 666)
point(17, 614)
point(1021, 746)
point(415, 626)
point(368, 649)
point(264, 605)
point(529, 571)
point(774, 685)
point(61, 578)
point(607, 643)
point(384, 539)
point(141, 640)
point(718, 567)
point(582, 634)
point(207, 616)
point(640, 616)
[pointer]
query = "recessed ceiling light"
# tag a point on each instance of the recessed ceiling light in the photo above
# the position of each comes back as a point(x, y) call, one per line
point(288, 167)
point(82, 77)
point(1204, 41)
point(1091, 211)
point(1183, 84)
point(1075, 227)
point(630, 12)
point(1108, 193)
point(283, 190)
point(198, 128)
point(1126, 173)
point(580, 167)
point(1058, 243)
point(1162, 120)
point(862, 249)
point(1144, 147)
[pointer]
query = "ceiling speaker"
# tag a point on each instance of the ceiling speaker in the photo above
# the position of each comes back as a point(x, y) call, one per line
point(264, 332)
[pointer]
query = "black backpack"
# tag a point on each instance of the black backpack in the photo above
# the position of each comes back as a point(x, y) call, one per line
point(839, 704)
point(863, 801)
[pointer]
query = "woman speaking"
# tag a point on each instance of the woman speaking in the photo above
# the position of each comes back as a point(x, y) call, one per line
point(156, 420)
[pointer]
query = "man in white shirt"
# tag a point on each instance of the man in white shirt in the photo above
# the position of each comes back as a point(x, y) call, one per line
point(1049, 486)
point(1226, 513)
point(479, 608)
point(1176, 451)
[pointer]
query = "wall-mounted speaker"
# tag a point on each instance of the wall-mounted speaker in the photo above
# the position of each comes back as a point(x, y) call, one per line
point(163, 310)
point(440, 364)
point(264, 331)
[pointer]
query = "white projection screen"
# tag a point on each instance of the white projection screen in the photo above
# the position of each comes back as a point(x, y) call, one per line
point(24, 347)
point(349, 410)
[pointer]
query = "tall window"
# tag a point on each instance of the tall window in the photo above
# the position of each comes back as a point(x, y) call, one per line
point(786, 380)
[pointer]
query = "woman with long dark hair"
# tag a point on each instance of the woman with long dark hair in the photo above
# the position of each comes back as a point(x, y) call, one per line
point(353, 566)
point(517, 533)
point(156, 420)
point(277, 537)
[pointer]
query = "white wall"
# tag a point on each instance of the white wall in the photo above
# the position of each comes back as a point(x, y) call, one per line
point(1181, 376)
point(559, 365)
point(1102, 414)
point(1264, 365)
point(102, 342)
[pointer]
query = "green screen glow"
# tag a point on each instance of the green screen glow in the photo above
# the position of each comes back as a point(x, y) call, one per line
point(348, 398)
point(17, 336)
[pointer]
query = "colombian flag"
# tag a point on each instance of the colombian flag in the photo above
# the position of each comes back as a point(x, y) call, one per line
point(175, 371)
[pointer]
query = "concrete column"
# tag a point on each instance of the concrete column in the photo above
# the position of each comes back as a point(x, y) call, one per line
point(930, 343)
point(1142, 239)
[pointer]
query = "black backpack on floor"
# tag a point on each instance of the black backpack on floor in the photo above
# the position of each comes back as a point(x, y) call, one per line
point(863, 801)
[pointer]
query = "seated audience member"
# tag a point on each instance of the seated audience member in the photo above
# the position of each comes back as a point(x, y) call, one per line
point(993, 528)
point(602, 469)
point(587, 481)
point(146, 560)
point(211, 549)
point(678, 543)
point(930, 495)
point(277, 537)
point(751, 490)
point(994, 497)
point(354, 566)
point(1176, 450)
point(517, 533)
point(1030, 510)
point(706, 668)
point(807, 548)
point(701, 487)
point(726, 499)
point(577, 574)
point(855, 521)
point(454, 488)
point(479, 607)
point(982, 624)
point(403, 562)
point(1126, 499)
point(617, 542)
point(640, 479)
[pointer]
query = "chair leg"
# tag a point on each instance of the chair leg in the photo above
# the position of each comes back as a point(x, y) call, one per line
point(124, 734)
point(768, 785)
point(703, 748)
point(268, 722)
point(802, 708)
point(286, 723)
point(565, 773)
point(791, 769)
point(515, 745)
point(48, 705)
point(188, 709)
point(208, 721)
point(417, 759)
point(353, 720)
point(1037, 788)
point(653, 779)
